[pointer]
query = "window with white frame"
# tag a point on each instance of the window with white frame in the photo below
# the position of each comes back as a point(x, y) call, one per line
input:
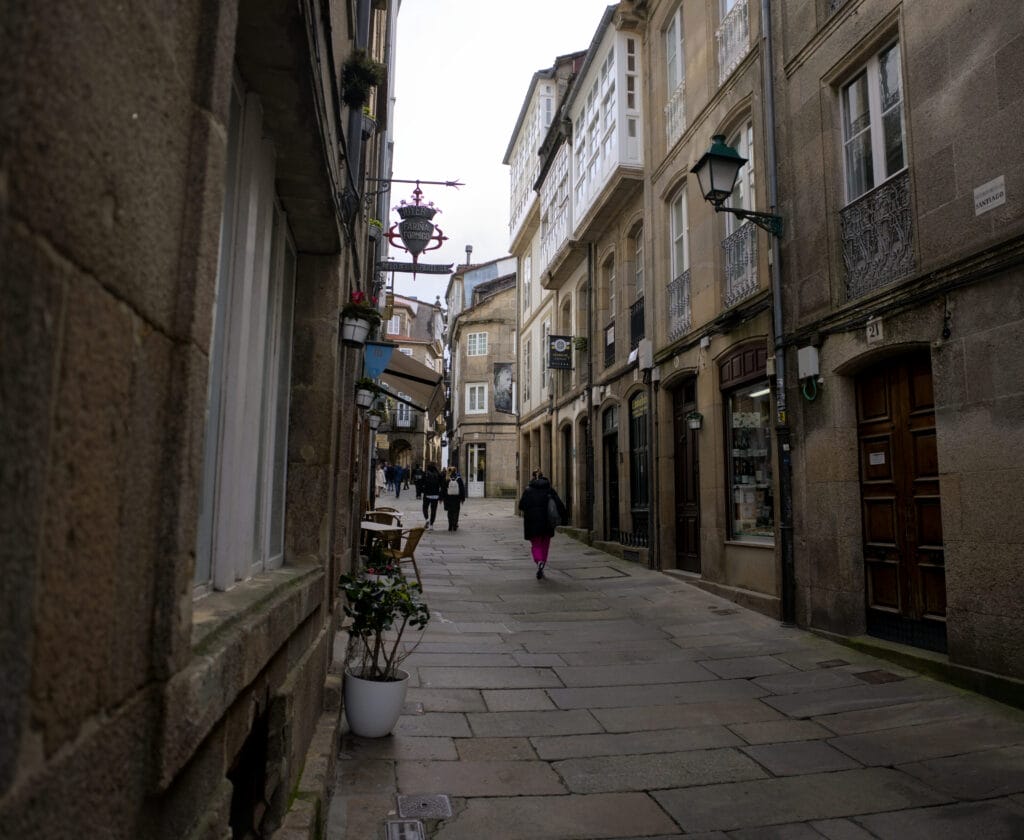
point(675, 61)
point(406, 350)
point(395, 325)
point(609, 284)
point(527, 369)
point(637, 241)
point(743, 193)
point(476, 398)
point(679, 234)
point(241, 520)
point(872, 106)
point(527, 281)
point(546, 331)
point(476, 344)
point(403, 412)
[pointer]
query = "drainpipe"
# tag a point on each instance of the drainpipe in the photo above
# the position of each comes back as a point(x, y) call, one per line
point(782, 431)
point(589, 454)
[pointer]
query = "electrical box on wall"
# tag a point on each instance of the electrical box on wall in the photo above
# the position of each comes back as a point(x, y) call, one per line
point(807, 362)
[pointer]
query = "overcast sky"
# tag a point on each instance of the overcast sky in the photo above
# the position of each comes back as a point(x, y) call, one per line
point(463, 67)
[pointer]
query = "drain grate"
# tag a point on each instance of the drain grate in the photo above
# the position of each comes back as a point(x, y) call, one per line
point(426, 807)
point(877, 677)
point(404, 830)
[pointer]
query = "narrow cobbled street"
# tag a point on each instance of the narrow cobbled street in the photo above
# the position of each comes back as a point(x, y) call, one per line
point(610, 701)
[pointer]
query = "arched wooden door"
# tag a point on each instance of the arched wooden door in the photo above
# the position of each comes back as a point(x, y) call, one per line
point(904, 569)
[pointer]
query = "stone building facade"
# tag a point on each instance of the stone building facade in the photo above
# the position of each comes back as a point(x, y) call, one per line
point(481, 405)
point(180, 197)
point(819, 423)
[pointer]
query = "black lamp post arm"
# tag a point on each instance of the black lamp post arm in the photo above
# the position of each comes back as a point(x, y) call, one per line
point(767, 221)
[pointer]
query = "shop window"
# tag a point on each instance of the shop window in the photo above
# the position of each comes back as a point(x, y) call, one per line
point(749, 463)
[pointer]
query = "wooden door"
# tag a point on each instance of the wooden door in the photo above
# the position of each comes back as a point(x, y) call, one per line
point(611, 474)
point(687, 483)
point(905, 584)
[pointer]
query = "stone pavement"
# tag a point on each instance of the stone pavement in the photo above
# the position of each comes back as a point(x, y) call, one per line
point(611, 701)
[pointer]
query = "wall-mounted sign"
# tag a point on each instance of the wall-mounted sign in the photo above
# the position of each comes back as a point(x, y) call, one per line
point(560, 352)
point(414, 268)
point(989, 196)
point(873, 331)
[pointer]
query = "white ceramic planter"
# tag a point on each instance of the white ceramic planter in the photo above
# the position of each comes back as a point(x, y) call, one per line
point(354, 331)
point(364, 397)
point(373, 708)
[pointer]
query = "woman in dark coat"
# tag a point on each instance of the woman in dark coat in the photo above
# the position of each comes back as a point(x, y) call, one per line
point(536, 527)
point(431, 493)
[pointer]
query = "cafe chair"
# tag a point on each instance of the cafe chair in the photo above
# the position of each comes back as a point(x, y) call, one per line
point(407, 552)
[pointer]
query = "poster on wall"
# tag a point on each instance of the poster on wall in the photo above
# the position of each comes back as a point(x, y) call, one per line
point(503, 387)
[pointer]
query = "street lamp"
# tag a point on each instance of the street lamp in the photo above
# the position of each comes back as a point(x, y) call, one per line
point(716, 173)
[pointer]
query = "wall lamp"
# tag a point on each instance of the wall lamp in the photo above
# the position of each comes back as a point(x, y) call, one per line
point(716, 173)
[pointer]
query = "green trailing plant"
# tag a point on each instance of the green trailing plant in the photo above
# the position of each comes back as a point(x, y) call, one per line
point(364, 383)
point(358, 74)
point(381, 610)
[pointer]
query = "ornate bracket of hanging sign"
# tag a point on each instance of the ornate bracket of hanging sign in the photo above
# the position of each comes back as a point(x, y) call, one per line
point(416, 232)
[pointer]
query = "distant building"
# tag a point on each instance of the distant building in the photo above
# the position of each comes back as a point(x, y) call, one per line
point(482, 399)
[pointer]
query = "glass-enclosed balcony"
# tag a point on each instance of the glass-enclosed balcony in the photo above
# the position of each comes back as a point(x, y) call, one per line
point(675, 114)
point(733, 37)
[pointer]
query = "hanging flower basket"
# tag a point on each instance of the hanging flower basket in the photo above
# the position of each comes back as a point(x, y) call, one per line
point(366, 392)
point(375, 229)
point(358, 317)
point(694, 420)
point(359, 73)
point(369, 124)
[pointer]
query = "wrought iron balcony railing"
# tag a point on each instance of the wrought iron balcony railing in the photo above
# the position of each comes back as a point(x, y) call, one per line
point(680, 318)
point(877, 235)
point(740, 249)
point(733, 39)
point(636, 323)
point(675, 114)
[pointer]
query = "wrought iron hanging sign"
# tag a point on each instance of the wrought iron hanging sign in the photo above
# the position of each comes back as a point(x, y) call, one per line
point(415, 234)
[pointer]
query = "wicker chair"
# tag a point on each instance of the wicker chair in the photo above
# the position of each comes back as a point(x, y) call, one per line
point(407, 552)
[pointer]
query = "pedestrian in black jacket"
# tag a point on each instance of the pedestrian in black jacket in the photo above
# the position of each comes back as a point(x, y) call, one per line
point(431, 494)
point(537, 527)
point(453, 500)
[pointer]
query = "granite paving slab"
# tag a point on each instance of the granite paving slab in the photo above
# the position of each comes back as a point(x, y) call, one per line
point(660, 651)
point(605, 774)
point(841, 829)
point(997, 820)
point(797, 682)
point(494, 749)
point(799, 757)
point(447, 699)
point(736, 805)
point(746, 667)
point(635, 743)
point(977, 775)
point(650, 695)
point(779, 731)
point(930, 740)
point(594, 817)
point(354, 748)
point(478, 778)
point(904, 714)
point(435, 724)
point(488, 677)
point(791, 831)
point(671, 671)
point(517, 700)
point(816, 703)
point(677, 716)
point(529, 724)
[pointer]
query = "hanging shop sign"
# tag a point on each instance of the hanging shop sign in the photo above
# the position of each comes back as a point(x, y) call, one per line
point(560, 352)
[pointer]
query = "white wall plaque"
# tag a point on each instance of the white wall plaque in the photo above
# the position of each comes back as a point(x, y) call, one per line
point(876, 458)
point(873, 331)
point(989, 196)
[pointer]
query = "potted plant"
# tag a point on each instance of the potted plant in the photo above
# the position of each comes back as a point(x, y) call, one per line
point(359, 73)
point(694, 420)
point(375, 228)
point(358, 317)
point(376, 416)
point(366, 392)
point(381, 609)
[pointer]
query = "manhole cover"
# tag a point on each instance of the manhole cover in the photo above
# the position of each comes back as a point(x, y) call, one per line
point(433, 807)
point(404, 830)
point(877, 677)
point(832, 663)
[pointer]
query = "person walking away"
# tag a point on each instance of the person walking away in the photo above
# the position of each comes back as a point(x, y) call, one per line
point(454, 496)
point(537, 527)
point(417, 480)
point(431, 494)
point(399, 471)
point(389, 476)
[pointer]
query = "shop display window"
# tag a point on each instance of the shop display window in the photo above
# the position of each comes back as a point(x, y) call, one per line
point(749, 464)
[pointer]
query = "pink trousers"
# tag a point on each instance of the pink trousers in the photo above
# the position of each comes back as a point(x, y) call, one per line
point(539, 548)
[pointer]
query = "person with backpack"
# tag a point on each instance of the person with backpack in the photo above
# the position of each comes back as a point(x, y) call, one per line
point(431, 495)
point(417, 480)
point(543, 511)
point(454, 496)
